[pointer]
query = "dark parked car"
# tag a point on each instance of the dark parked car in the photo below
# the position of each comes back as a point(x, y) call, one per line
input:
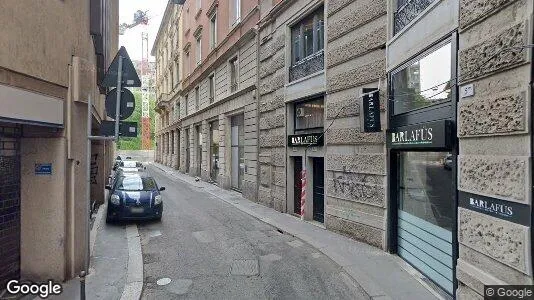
point(134, 196)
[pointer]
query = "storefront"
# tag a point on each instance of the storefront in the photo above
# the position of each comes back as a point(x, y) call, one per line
point(187, 151)
point(305, 144)
point(214, 151)
point(421, 141)
point(237, 151)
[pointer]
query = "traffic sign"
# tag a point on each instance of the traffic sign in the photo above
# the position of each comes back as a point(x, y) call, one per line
point(129, 74)
point(126, 129)
point(127, 104)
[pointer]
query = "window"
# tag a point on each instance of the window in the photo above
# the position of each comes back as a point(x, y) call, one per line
point(423, 83)
point(197, 98)
point(235, 12)
point(186, 63)
point(199, 49)
point(186, 103)
point(213, 31)
point(307, 36)
point(211, 87)
point(233, 74)
point(177, 110)
point(172, 142)
point(309, 114)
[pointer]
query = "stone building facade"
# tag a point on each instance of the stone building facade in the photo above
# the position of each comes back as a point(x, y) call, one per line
point(466, 68)
point(443, 177)
point(168, 81)
point(495, 142)
point(54, 57)
point(214, 134)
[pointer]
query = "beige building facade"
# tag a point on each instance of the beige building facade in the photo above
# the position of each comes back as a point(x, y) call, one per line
point(55, 53)
point(212, 121)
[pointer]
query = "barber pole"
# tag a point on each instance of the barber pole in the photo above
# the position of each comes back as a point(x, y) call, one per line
point(302, 193)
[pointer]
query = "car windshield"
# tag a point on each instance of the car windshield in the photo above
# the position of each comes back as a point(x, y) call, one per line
point(136, 183)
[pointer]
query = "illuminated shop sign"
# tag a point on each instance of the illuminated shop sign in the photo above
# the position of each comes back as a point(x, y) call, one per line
point(431, 135)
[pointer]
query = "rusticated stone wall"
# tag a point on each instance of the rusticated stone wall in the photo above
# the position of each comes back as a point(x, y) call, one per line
point(272, 118)
point(491, 250)
point(355, 161)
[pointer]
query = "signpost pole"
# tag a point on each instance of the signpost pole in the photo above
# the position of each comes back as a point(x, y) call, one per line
point(118, 107)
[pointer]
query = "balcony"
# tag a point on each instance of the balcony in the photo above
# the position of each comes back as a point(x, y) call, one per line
point(309, 65)
point(407, 11)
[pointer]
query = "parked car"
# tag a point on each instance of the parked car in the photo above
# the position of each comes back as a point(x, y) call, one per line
point(134, 196)
point(447, 162)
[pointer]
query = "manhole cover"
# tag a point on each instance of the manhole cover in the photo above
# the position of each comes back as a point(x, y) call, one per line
point(163, 281)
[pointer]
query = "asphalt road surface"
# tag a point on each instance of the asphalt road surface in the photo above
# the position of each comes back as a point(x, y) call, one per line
point(205, 248)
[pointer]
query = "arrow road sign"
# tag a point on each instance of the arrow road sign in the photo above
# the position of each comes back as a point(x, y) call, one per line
point(129, 74)
point(127, 104)
point(126, 129)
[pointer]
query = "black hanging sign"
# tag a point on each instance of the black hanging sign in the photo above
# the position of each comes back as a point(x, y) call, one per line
point(506, 210)
point(308, 139)
point(430, 135)
point(371, 110)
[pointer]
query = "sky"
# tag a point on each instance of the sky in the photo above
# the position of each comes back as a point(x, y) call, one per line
point(132, 38)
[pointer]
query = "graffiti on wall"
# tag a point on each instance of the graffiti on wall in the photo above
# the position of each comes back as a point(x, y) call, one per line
point(357, 186)
point(94, 168)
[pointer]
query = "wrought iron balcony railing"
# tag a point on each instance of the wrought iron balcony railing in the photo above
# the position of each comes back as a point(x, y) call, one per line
point(408, 10)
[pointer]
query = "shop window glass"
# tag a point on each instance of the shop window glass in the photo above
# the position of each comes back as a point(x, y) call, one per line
point(309, 114)
point(424, 83)
point(426, 186)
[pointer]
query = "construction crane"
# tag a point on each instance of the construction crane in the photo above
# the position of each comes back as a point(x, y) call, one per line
point(141, 18)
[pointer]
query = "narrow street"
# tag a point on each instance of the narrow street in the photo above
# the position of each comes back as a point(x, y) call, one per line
point(210, 249)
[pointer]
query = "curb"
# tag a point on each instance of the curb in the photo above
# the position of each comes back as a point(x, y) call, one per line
point(368, 289)
point(96, 227)
point(134, 278)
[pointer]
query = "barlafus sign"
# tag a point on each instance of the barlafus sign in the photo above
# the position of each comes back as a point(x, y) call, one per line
point(309, 139)
point(502, 209)
point(371, 110)
point(431, 135)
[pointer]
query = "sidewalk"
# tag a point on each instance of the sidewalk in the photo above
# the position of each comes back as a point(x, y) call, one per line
point(109, 263)
point(379, 274)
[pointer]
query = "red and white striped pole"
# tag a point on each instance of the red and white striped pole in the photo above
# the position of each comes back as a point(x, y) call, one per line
point(303, 190)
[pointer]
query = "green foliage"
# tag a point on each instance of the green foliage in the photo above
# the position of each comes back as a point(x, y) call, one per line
point(136, 143)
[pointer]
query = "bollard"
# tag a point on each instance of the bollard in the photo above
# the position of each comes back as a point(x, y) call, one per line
point(82, 285)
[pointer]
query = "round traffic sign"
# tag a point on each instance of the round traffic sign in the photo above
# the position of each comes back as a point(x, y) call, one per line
point(127, 105)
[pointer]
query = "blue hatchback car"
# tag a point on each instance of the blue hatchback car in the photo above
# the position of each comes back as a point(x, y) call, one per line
point(134, 196)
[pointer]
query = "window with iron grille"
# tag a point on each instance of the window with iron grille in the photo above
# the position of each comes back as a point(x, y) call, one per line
point(407, 11)
point(307, 45)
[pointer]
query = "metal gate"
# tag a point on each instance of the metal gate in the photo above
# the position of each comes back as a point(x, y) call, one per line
point(9, 204)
